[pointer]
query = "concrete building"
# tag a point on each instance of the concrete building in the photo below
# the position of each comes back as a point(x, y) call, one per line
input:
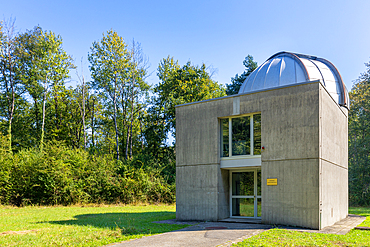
point(277, 151)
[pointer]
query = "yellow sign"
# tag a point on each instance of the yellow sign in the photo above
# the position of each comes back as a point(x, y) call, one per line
point(272, 181)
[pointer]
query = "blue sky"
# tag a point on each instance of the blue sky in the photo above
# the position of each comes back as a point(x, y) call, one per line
point(218, 33)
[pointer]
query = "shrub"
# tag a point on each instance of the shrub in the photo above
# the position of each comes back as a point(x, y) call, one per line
point(60, 175)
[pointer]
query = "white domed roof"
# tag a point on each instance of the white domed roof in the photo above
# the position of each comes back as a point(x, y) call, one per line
point(286, 68)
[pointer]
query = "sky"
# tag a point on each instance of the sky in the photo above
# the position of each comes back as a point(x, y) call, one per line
point(218, 33)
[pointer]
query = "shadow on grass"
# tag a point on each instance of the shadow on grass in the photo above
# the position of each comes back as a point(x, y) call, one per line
point(126, 223)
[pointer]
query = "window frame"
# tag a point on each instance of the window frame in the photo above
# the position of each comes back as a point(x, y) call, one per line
point(251, 131)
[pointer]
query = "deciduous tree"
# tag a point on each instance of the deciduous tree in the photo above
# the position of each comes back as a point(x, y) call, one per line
point(180, 85)
point(359, 141)
point(44, 65)
point(109, 65)
point(10, 83)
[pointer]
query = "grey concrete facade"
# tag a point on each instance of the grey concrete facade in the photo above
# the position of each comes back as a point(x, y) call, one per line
point(304, 132)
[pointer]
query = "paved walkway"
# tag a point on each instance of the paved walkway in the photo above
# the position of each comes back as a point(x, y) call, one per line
point(341, 227)
point(209, 234)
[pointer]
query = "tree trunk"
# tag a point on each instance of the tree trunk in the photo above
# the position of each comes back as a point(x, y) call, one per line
point(141, 133)
point(56, 104)
point(124, 109)
point(92, 122)
point(36, 114)
point(12, 101)
point(83, 110)
point(8, 60)
point(131, 123)
point(127, 142)
point(132, 95)
point(115, 114)
point(11, 119)
point(43, 116)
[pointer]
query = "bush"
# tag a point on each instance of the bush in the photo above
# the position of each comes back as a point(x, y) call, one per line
point(60, 175)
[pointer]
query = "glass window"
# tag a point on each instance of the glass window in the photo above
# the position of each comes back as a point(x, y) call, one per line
point(257, 134)
point(240, 136)
point(243, 207)
point(243, 183)
point(225, 137)
point(259, 182)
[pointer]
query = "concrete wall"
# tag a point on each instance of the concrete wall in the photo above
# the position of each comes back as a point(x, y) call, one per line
point(294, 201)
point(201, 186)
point(333, 160)
point(290, 134)
point(299, 145)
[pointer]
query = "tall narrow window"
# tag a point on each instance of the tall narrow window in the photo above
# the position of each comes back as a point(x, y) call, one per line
point(225, 137)
point(241, 136)
point(257, 134)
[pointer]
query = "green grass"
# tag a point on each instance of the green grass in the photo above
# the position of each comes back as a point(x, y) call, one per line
point(82, 226)
point(280, 237)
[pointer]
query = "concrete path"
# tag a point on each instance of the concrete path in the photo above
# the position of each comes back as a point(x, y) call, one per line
point(209, 234)
point(341, 227)
point(203, 234)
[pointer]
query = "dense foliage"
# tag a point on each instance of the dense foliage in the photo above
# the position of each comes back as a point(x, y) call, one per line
point(61, 175)
point(359, 141)
point(104, 140)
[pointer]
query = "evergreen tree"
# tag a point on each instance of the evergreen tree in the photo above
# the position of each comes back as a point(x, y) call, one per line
point(238, 80)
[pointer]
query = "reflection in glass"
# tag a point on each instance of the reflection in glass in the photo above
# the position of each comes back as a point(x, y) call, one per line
point(243, 207)
point(257, 134)
point(225, 137)
point(259, 182)
point(259, 207)
point(243, 183)
point(240, 136)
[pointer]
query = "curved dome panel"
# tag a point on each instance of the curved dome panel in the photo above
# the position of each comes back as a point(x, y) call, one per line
point(286, 68)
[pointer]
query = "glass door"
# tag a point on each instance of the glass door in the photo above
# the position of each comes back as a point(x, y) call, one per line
point(245, 193)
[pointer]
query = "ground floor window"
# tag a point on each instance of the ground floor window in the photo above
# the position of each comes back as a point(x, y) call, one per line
point(245, 193)
point(241, 136)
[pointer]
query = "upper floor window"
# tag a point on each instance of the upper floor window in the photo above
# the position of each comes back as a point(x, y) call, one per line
point(241, 135)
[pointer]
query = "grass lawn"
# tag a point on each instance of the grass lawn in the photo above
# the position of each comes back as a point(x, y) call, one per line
point(280, 237)
point(81, 226)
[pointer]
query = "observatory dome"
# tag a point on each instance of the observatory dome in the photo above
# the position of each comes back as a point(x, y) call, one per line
point(286, 68)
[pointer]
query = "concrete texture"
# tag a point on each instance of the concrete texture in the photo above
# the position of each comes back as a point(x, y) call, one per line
point(294, 201)
point(206, 195)
point(304, 132)
point(225, 234)
point(333, 160)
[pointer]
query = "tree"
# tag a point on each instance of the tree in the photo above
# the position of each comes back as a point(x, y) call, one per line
point(10, 85)
point(137, 90)
point(109, 63)
point(28, 46)
point(83, 108)
point(359, 141)
point(180, 85)
point(238, 80)
point(43, 65)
